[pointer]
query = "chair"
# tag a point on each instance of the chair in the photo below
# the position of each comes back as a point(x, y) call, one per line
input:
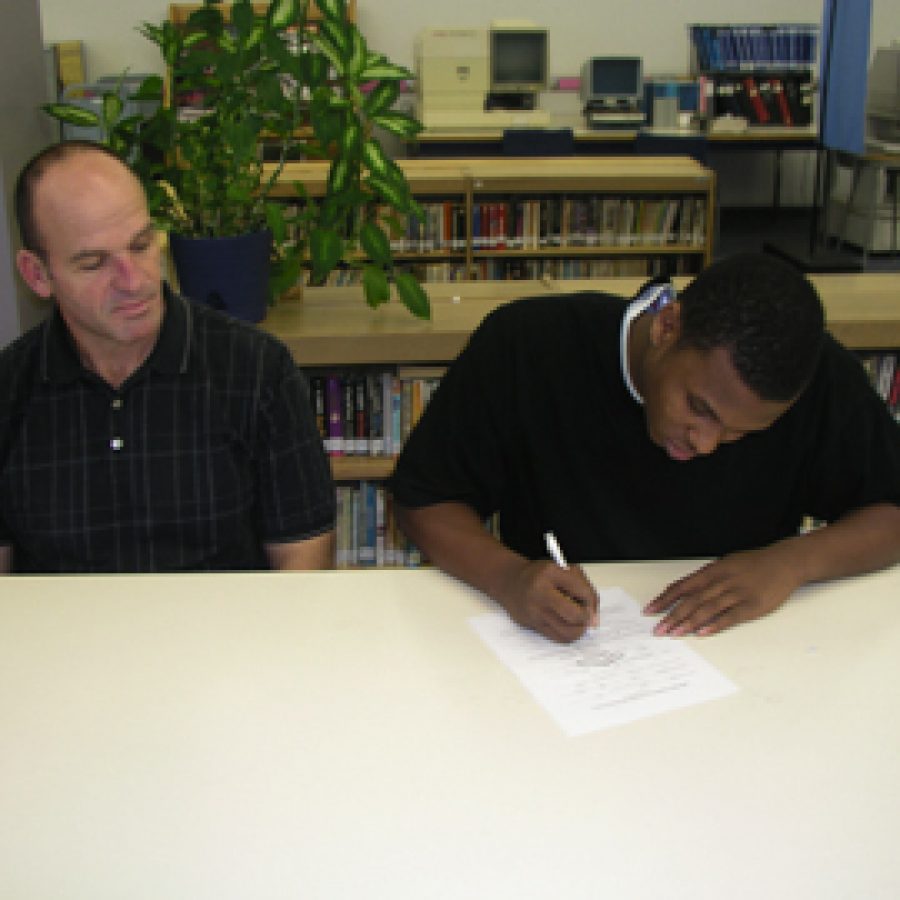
point(538, 142)
point(648, 143)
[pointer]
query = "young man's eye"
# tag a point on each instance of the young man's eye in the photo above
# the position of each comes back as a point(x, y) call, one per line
point(698, 407)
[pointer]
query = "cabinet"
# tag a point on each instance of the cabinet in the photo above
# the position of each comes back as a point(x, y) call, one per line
point(499, 219)
point(761, 73)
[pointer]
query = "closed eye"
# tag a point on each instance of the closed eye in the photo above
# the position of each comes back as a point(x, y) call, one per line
point(701, 408)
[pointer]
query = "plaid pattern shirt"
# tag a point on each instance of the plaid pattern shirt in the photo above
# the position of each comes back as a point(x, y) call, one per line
point(206, 453)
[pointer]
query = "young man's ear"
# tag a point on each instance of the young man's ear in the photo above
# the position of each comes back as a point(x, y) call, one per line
point(34, 273)
point(665, 326)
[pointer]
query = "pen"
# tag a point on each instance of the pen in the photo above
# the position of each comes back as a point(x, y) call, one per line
point(556, 555)
point(553, 549)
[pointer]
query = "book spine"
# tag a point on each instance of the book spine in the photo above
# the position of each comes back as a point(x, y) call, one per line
point(334, 407)
point(348, 415)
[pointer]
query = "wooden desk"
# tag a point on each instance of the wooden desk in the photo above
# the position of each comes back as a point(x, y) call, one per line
point(434, 142)
point(446, 143)
point(333, 326)
point(347, 735)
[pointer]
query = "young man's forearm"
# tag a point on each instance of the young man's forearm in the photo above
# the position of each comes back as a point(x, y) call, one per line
point(5, 560)
point(453, 537)
point(557, 602)
point(862, 541)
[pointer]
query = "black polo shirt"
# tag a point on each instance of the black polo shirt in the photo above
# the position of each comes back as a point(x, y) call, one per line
point(533, 421)
point(203, 455)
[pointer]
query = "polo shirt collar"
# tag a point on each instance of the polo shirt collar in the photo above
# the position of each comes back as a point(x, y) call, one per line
point(60, 362)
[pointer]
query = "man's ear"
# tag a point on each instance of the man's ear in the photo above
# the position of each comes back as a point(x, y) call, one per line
point(665, 326)
point(34, 273)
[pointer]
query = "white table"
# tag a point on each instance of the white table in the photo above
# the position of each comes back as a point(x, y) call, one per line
point(348, 735)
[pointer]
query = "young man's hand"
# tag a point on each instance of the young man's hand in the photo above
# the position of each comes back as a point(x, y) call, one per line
point(730, 590)
point(558, 603)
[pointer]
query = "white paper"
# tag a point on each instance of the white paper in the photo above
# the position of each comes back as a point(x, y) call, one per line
point(616, 673)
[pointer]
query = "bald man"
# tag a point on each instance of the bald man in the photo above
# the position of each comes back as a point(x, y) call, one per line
point(140, 431)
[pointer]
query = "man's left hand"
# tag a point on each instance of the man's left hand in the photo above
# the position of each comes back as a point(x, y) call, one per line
point(730, 590)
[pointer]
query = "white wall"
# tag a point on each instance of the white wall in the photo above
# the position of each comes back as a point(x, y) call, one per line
point(653, 29)
point(24, 131)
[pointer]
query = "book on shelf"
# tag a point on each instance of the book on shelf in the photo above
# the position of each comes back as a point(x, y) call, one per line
point(366, 529)
point(334, 436)
point(761, 46)
point(371, 412)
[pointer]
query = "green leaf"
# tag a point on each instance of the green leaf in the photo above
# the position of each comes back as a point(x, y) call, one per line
point(332, 9)
point(330, 51)
point(151, 88)
point(338, 34)
point(358, 52)
point(376, 288)
point(325, 251)
point(388, 191)
point(208, 19)
point(398, 123)
point(349, 139)
point(282, 13)
point(242, 19)
point(112, 109)
point(338, 175)
point(283, 275)
point(381, 68)
point(375, 159)
point(412, 295)
point(276, 222)
point(381, 98)
point(375, 243)
point(72, 115)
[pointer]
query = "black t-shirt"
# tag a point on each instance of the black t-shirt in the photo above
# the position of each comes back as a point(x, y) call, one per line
point(533, 421)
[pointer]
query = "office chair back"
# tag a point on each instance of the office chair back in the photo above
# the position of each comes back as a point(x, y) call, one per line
point(538, 142)
point(694, 145)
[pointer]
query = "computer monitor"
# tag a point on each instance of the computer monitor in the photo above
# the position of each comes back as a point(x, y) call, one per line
point(518, 65)
point(614, 82)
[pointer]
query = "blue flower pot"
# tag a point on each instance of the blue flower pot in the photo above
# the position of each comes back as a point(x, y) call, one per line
point(229, 273)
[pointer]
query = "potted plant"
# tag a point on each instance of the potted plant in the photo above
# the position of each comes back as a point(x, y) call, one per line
point(270, 74)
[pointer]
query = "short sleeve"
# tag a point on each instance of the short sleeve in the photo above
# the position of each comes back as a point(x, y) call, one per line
point(295, 487)
point(457, 452)
point(856, 461)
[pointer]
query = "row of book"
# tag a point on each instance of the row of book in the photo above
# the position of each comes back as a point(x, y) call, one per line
point(883, 370)
point(504, 269)
point(724, 47)
point(535, 268)
point(556, 220)
point(764, 99)
point(366, 529)
point(442, 226)
point(595, 220)
point(370, 412)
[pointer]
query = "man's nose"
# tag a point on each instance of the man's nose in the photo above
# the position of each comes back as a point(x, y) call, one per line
point(127, 272)
point(706, 437)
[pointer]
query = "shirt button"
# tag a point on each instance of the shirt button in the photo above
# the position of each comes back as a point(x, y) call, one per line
point(116, 444)
point(117, 403)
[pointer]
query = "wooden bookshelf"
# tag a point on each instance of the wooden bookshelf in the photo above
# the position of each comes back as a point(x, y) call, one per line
point(639, 181)
point(334, 327)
